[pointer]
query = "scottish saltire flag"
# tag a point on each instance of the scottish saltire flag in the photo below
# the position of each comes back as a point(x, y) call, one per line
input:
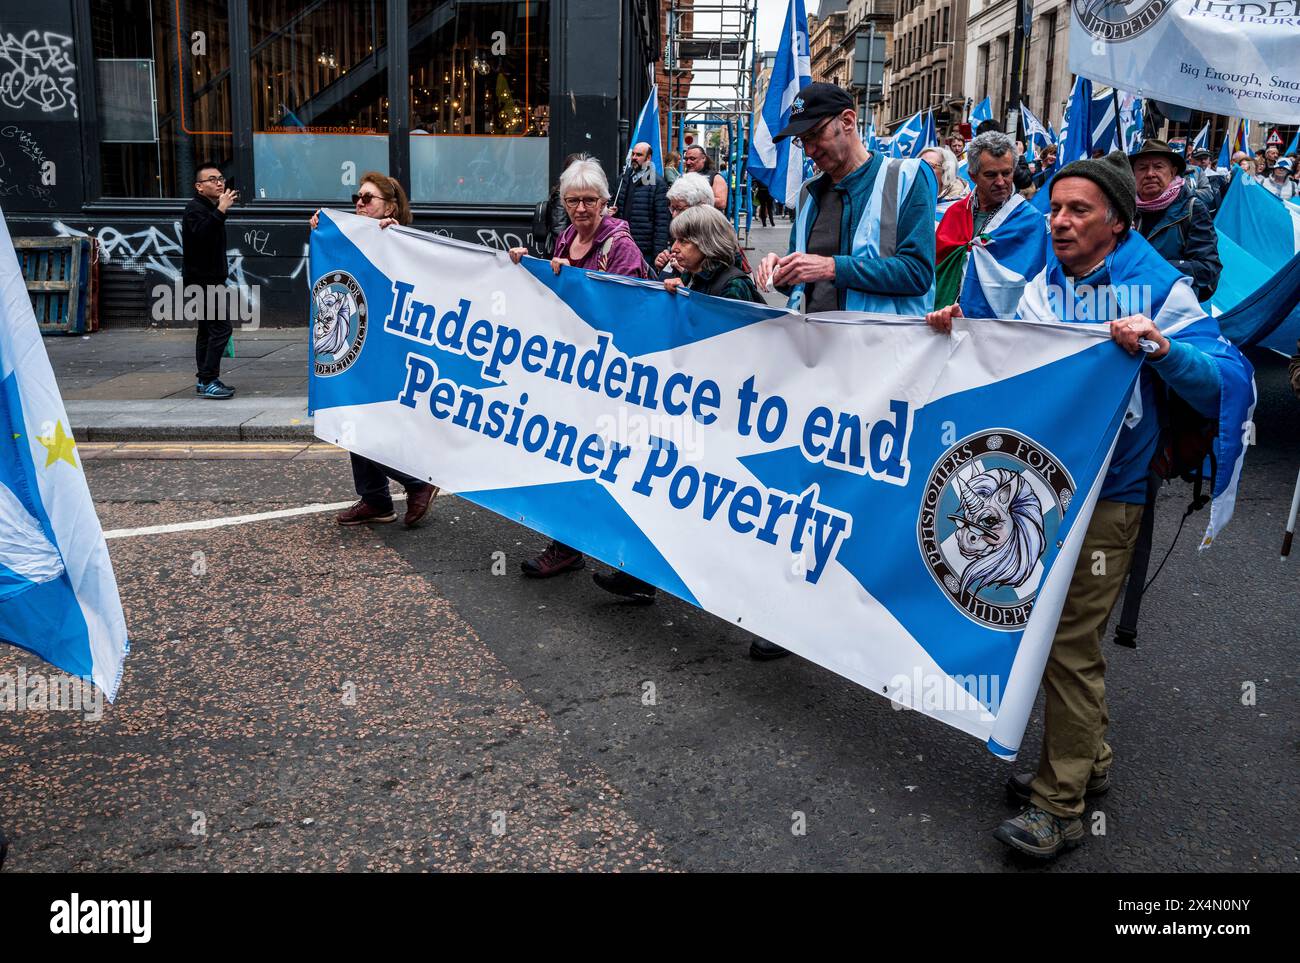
point(647, 131)
point(1221, 58)
point(983, 111)
point(1202, 140)
point(1294, 146)
point(1142, 281)
point(986, 273)
point(1104, 121)
point(1259, 243)
point(1076, 137)
point(798, 476)
point(58, 597)
point(914, 135)
point(781, 166)
point(1035, 135)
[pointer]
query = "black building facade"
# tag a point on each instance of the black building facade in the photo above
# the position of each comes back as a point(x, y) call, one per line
point(107, 106)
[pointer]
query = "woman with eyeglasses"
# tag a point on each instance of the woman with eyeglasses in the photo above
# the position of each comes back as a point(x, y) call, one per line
point(593, 241)
point(382, 198)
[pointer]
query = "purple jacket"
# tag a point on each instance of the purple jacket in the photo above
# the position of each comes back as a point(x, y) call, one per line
point(624, 256)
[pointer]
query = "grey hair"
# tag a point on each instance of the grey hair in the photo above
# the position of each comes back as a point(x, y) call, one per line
point(992, 142)
point(708, 229)
point(949, 166)
point(694, 189)
point(585, 173)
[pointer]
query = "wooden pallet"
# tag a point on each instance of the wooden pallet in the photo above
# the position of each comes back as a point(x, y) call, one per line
point(61, 275)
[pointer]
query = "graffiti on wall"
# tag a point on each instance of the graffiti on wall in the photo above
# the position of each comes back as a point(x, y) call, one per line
point(24, 168)
point(37, 70)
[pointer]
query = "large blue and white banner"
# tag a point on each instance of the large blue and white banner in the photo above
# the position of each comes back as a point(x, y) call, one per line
point(902, 507)
point(1227, 58)
point(58, 597)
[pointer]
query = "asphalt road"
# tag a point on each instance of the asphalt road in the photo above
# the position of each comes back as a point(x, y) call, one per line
point(299, 696)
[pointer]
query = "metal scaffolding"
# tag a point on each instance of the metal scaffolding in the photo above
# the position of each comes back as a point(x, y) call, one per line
point(711, 61)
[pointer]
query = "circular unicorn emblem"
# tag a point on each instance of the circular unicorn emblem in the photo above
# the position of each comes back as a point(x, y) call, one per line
point(1118, 20)
point(991, 506)
point(339, 324)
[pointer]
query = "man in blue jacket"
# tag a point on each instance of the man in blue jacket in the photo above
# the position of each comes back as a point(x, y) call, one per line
point(863, 235)
point(1102, 271)
point(642, 201)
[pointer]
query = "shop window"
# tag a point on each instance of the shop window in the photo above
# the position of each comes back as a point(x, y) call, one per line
point(479, 89)
point(162, 85)
point(320, 96)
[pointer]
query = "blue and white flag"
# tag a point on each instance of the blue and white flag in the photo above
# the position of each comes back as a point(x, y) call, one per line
point(983, 111)
point(1011, 252)
point(1076, 137)
point(1202, 141)
point(914, 135)
point(1222, 58)
point(1292, 147)
point(58, 597)
point(780, 166)
point(1035, 135)
point(1259, 243)
point(647, 131)
point(797, 476)
point(1104, 121)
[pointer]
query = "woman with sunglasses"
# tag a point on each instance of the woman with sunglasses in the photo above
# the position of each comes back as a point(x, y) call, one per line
point(382, 198)
point(593, 241)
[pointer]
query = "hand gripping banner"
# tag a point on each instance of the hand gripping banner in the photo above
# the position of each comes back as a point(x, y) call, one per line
point(902, 507)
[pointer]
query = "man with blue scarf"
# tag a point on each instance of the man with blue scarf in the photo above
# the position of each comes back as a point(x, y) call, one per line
point(1101, 271)
point(863, 236)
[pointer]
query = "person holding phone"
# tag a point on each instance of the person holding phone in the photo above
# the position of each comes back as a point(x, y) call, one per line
point(203, 254)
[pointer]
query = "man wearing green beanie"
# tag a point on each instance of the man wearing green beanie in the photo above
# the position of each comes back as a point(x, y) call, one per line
point(1101, 271)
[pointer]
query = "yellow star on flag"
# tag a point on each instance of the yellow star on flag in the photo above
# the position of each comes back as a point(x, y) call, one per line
point(59, 447)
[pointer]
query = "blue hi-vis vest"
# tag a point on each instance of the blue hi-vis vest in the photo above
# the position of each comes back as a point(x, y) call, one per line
point(875, 236)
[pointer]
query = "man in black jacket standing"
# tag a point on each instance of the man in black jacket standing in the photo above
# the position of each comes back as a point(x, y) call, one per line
point(203, 243)
point(643, 202)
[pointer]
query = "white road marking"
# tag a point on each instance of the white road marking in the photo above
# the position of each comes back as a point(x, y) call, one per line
point(209, 523)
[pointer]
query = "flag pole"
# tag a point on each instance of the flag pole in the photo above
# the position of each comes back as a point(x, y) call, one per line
point(1290, 525)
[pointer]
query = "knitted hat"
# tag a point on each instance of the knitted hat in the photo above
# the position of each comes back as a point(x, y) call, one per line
point(1113, 175)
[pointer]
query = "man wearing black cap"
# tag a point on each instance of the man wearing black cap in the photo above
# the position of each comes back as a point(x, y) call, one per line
point(1173, 218)
point(842, 257)
point(1099, 270)
point(1205, 180)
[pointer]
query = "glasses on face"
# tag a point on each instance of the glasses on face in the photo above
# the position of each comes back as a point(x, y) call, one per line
point(363, 200)
point(813, 135)
point(215, 179)
point(588, 202)
point(676, 207)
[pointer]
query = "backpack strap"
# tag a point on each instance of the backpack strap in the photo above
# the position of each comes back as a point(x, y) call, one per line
point(602, 259)
point(1126, 630)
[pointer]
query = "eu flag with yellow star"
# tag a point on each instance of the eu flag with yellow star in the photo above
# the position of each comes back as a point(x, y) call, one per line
point(58, 597)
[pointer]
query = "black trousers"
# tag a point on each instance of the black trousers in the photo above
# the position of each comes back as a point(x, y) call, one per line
point(210, 343)
point(371, 479)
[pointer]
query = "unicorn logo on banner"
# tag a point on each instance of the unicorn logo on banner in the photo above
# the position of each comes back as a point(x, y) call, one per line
point(993, 503)
point(339, 328)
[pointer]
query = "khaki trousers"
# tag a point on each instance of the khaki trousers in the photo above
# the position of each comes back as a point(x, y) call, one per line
point(1074, 725)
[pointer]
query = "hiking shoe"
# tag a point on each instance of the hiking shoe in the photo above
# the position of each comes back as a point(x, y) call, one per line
point(1036, 832)
point(556, 560)
point(628, 586)
point(417, 503)
point(361, 513)
point(215, 389)
point(1018, 791)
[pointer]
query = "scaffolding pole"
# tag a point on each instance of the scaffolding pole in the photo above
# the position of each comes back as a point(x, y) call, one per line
point(711, 58)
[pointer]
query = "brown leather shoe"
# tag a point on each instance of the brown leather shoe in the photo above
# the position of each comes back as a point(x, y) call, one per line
point(417, 503)
point(555, 560)
point(361, 513)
